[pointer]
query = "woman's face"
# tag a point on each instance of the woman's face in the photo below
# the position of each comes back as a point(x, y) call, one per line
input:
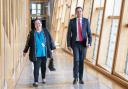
point(38, 25)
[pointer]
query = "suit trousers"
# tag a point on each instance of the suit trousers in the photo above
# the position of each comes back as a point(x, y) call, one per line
point(79, 52)
point(41, 62)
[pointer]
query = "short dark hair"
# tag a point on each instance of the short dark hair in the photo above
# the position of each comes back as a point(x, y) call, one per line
point(37, 19)
point(78, 8)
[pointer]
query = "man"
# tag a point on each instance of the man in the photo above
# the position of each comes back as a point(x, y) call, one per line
point(38, 43)
point(78, 33)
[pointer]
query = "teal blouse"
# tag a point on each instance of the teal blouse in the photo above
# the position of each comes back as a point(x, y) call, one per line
point(40, 44)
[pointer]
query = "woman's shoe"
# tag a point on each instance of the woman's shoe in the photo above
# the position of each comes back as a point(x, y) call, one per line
point(35, 84)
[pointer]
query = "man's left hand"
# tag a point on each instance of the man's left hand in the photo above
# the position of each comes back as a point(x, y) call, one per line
point(88, 46)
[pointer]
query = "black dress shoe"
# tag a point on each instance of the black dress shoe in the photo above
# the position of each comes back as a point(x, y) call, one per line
point(35, 84)
point(75, 81)
point(81, 81)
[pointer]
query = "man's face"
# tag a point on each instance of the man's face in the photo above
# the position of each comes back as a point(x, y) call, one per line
point(79, 12)
point(38, 25)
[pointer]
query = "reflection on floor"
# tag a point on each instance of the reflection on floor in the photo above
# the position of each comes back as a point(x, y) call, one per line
point(62, 77)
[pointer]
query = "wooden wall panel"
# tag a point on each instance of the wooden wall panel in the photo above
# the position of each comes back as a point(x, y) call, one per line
point(0, 44)
point(88, 7)
point(14, 26)
point(73, 6)
point(66, 21)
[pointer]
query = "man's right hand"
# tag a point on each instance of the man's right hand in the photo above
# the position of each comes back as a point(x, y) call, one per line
point(69, 48)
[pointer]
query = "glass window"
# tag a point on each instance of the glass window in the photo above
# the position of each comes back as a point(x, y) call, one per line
point(38, 12)
point(117, 6)
point(112, 42)
point(126, 65)
point(96, 29)
point(109, 35)
point(95, 45)
point(38, 9)
point(121, 66)
point(33, 11)
point(99, 22)
point(38, 6)
point(96, 40)
point(90, 9)
point(33, 6)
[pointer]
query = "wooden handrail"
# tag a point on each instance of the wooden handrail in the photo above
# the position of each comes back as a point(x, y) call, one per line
point(99, 8)
point(94, 34)
point(113, 17)
point(126, 25)
point(66, 27)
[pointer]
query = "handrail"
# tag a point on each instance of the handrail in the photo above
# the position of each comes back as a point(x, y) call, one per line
point(99, 8)
point(113, 17)
point(94, 34)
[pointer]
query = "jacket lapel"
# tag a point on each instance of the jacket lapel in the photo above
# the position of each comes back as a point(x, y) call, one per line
point(75, 26)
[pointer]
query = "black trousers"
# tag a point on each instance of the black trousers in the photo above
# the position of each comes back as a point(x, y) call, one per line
point(79, 52)
point(41, 62)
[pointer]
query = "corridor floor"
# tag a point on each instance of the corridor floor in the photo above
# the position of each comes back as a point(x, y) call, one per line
point(62, 77)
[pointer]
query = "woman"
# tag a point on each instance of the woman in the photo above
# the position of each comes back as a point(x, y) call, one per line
point(38, 42)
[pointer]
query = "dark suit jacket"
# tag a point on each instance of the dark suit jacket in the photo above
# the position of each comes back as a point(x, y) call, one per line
point(30, 44)
point(72, 32)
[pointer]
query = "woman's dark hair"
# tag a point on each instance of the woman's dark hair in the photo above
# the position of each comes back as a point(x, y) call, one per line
point(37, 19)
